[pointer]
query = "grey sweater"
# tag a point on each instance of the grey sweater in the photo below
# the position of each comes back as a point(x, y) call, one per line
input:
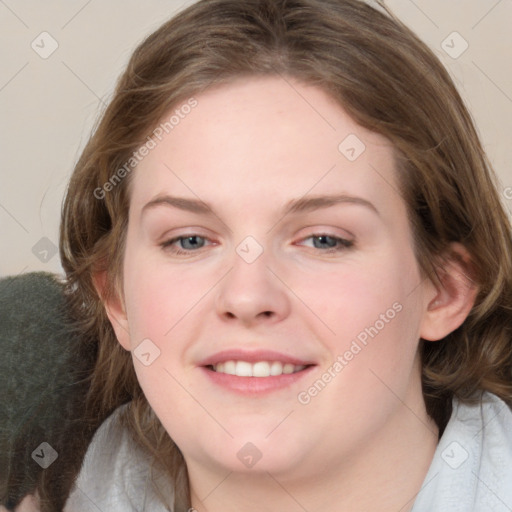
point(471, 470)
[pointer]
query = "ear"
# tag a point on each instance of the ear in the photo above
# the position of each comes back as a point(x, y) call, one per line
point(448, 306)
point(115, 308)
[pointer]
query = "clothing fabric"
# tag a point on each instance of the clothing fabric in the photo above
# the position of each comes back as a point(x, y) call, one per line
point(471, 470)
point(116, 474)
point(472, 466)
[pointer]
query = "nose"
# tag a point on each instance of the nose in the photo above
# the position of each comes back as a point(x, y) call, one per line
point(251, 293)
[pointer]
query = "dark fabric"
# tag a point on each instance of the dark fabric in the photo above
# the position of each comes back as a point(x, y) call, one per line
point(44, 370)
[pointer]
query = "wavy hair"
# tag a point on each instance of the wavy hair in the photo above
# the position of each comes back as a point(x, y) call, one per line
point(389, 82)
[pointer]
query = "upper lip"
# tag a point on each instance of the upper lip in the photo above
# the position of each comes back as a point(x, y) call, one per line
point(253, 356)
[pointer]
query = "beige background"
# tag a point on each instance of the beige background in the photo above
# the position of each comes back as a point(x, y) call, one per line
point(49, 105)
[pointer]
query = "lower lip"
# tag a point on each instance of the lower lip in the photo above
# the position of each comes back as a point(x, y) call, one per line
point(255, 385)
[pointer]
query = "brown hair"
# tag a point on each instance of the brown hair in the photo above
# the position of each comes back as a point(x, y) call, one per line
point(389, 82)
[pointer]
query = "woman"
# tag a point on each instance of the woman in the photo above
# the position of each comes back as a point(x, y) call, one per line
point(286, 239)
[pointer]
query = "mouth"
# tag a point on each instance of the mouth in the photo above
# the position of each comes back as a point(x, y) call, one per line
point(259, 369)
point(255, 373)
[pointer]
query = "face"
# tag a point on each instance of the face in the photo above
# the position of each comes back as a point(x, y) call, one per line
point(263, 236)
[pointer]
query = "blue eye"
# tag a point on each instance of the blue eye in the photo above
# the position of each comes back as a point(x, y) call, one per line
point(329, 243)
point(189, 243)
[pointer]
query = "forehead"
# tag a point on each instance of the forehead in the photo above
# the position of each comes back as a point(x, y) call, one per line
point(253, 137)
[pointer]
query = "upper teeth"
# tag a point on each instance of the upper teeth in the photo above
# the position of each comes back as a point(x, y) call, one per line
point(259, 369)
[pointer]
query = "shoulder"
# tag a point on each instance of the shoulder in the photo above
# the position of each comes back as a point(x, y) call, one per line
point(484, 433)
point(116, 473)
point(472, 465)
point(492, 427)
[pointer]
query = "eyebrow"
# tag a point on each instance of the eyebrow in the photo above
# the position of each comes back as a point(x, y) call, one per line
point(301, 205)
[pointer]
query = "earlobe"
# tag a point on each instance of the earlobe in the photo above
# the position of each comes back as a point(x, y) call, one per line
point(453, 299)
point(115, 310)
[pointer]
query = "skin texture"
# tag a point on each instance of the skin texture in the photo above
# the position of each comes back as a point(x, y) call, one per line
point(247, 149)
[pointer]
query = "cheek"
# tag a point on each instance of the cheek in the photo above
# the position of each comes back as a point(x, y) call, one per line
point(378, 342)
point(371, 367)
point(369, 316)
point(349, 299)
point(158, 296)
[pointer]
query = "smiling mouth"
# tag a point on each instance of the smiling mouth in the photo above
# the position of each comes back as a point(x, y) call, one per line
point(257, 369)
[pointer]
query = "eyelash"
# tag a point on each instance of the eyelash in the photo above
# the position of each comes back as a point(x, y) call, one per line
point(343, 244)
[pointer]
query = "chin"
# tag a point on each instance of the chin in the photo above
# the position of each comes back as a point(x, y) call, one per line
point(252, 452)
